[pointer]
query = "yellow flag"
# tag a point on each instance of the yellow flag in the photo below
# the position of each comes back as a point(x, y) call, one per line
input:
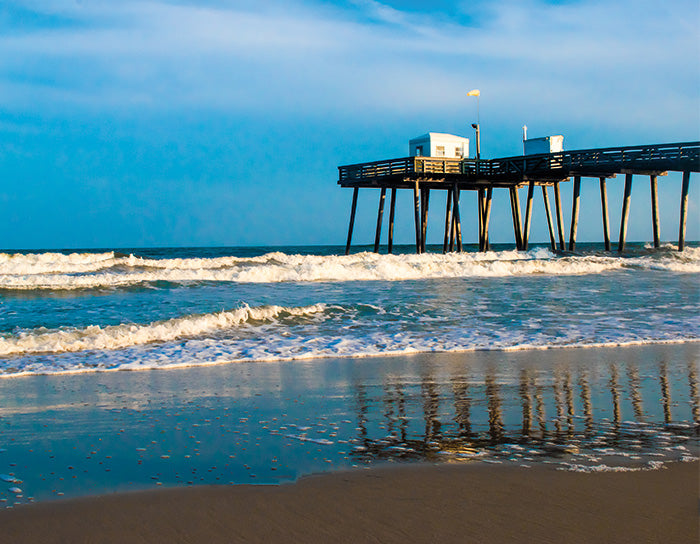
point(475, 92)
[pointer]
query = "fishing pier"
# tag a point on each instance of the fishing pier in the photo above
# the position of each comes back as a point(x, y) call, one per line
point(423, 174)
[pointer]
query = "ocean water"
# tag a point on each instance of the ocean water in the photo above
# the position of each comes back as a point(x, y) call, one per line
point(260, 365)
point(141, 309)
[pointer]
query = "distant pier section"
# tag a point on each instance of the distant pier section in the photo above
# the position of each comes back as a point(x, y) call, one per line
point(441, 162)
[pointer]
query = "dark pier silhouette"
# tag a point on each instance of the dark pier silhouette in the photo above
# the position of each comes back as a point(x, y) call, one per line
point(425, 174)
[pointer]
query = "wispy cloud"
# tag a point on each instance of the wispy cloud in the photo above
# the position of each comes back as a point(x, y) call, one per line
point(637, 58)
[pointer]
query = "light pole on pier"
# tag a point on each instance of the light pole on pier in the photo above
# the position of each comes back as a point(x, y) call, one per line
point(475, 126)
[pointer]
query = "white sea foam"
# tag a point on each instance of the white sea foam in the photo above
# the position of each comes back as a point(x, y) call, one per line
point(106, 270)
point(120, 336)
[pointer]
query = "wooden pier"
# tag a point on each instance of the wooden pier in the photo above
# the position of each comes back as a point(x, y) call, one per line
point(425, 174)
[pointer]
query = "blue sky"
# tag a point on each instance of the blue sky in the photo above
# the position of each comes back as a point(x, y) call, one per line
point(147, 123)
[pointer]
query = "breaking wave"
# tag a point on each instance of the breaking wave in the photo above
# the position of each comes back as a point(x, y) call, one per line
point(55, 271)
point(120, 336)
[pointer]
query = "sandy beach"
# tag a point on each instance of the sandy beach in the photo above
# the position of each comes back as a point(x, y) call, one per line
point(418, 503)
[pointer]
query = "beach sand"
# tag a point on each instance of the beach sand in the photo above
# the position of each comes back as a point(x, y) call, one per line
point(410, 503)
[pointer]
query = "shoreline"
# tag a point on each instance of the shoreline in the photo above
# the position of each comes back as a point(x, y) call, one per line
point(416, 502)
point(641, 344)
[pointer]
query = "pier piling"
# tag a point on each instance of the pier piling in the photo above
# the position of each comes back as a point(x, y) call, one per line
point(684, 210)
point(560, 219)
point(416, 211)
point(380, 217)
point(548, 212)
point(352, 219)
point(528, 214)
point(574, 213)
point(604, 210)
point(654, 210)
point(392, 208)
point(448, 222)
point(625, 212)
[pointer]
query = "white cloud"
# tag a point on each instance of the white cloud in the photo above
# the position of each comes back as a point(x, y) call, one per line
point(636, 60)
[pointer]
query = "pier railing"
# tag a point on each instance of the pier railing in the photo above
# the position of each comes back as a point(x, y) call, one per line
point(401, 167)
point(658, 157)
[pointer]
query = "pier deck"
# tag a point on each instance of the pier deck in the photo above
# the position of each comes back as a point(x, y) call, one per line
point(423, 174)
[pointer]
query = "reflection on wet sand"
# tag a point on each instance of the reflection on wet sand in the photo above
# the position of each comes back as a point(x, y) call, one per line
point(465, 418)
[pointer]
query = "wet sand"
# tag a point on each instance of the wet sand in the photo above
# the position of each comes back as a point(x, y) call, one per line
point(410, 503)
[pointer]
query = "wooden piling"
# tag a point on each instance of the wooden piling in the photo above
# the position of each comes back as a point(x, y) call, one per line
point(604, 208)
point(548, 212)
point(560, 219)
point(380, 217)
point(352, 219)
point(574, 212)
point(655, 210)
point(515, 210)
point(487, 217)
point(528, 214)
point(457, 220)
point(480, 215)
point(684, 210)
point(425, 201)
point(448, 221)
point(416, 214)
point(392, 208)
point(625, 212)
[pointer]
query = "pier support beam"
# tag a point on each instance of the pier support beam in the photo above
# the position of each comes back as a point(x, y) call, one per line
point(352, 219)
point(392, 208)
point(574, 213)
point(625, 212)
point(655, 210)
point(548, 212)
point(604, 208)
point(485, 196)
point(560, 219)
point(457, 220)
point(684, 210)
point(528, 214)
point(515, 210)
point(481, 203)
point(416, 213)
point(448, 221)
point(380, 217)
point(487, 218)
point(425, 201)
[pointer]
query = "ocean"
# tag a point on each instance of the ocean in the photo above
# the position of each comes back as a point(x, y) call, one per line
point(283, 361)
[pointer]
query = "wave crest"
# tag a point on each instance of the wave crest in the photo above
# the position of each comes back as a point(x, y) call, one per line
point(129, 334)
point(109, 270)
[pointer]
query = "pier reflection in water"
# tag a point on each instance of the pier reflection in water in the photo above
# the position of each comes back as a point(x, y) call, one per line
point(582, 414)
point(579, 409)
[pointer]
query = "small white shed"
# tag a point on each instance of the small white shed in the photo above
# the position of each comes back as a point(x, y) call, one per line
point(437, 144)
point(549, 144)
